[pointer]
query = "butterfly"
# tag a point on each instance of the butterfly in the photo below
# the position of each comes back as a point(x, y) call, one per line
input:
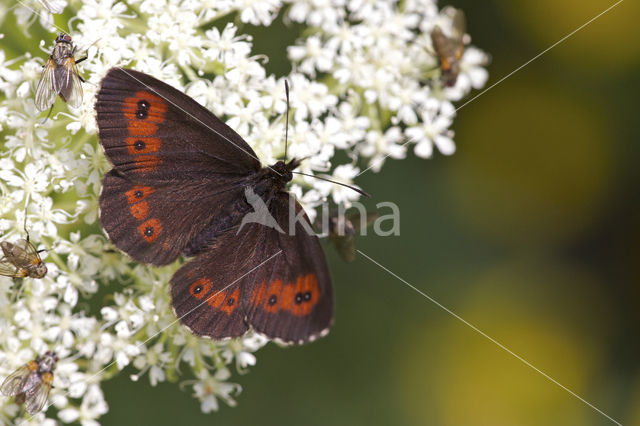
point(60, 76)
point(181, 185)
point(449, 50)
point(21, 259)
point(342, 232)
point(31, 383)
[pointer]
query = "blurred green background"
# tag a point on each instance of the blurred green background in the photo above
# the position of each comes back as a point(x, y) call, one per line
point(530, 232)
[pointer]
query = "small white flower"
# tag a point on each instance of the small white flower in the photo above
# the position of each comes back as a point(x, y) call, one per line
point(209, 388)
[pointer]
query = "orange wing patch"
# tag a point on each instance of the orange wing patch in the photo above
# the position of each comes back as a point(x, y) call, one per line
point(150, 230)
point(143, 145)
point(200, 288)
point(305, 295)
point(272, 304)
point(138, 193)
point(258, 295)
point(144, 112)
point(145, 106)
point(140, 210)
point(146, 163)
point(231, 302)
point(299, 298)
point(216, 300)
point(142, 128)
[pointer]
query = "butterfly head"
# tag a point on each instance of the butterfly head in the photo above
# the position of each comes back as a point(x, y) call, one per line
point(281, 172)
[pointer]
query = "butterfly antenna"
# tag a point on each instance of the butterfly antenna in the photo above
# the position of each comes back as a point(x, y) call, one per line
point(286, 128)
point(358, 190)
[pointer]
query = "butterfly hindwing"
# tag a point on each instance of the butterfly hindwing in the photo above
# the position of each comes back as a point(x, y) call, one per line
point(251, 269)
point(294, 302)
point(151, 131)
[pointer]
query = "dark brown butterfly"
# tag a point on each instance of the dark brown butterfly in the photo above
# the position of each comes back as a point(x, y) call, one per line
point(31, 383)
point(21, 259)
point(343, 229)
point(178, 187)
point(60, 76)
point(449, 50)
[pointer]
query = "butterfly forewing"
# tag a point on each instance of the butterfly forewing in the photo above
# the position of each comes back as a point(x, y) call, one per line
point(151, 131)
point(177, 166)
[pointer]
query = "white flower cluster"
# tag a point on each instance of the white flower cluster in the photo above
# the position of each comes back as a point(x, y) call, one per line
point(377, 58)
point(361, 84)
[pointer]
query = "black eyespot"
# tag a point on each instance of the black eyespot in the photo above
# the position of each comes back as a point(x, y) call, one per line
point(138, 194)
point(272, 300)
point(148, 231)
point(307, 296)
point(298, 298)
point(143, 109)
point(139, 145)
point(197, 289)
point(231, 301)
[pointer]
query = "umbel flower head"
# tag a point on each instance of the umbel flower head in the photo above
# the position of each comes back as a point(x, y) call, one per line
point(364, 81)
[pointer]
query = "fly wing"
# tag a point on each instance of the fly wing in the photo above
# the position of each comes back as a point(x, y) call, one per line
point(443, 45)
point(8, 269)
point(68, 80)
point(13, 384)
point(46, 91)
point(21, 254)
point(459, 27)
point(37, 397)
